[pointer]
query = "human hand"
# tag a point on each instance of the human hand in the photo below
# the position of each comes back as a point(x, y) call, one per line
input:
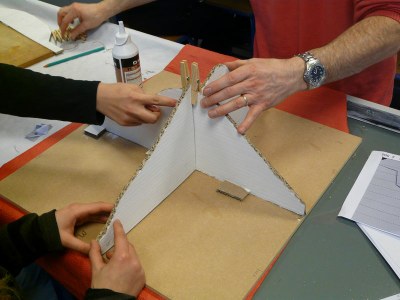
point(123, 273)
point(89, 15)
point(128, 105)
point(77, 214)
point(264, 83)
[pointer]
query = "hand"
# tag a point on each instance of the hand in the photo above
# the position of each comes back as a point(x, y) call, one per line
point(264, 83)
point(128, 105)
point(123, 273)
point(89, 15)
point(77, 214)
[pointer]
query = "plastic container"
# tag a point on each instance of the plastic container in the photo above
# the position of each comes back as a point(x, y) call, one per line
point(126, 58)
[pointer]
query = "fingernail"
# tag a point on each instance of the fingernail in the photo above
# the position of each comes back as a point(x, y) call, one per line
point(212, 114)
point(240, 130)
point(203, 103)
point(206, 91)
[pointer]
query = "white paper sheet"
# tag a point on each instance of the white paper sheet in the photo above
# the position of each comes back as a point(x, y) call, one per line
point(374, 199)
point(374, 203)
point(387, 244)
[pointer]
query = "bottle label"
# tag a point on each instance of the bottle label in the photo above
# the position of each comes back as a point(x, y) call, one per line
point(128, 70)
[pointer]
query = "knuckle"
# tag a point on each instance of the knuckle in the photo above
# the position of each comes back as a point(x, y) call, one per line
point(126, 120)
point(153, 119)
point(136, 266)
point(218, 111)
point(156, 101)
point(237, 103)
point(230, 78)
point(229, 92)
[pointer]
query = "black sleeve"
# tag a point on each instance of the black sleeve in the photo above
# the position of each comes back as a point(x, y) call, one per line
point(28, 238)
point(26, 93)
point(105, 294)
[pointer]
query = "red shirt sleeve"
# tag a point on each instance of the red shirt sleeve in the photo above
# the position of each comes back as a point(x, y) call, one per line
point(369, 8)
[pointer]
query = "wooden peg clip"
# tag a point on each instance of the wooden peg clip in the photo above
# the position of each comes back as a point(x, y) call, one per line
point(195, 82)
point(184, 74)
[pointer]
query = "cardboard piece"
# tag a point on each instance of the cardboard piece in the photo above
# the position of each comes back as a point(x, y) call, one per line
point(232, 190)
point(147, 134)
point(168, 164)
point(196, 236)
point(191, 141)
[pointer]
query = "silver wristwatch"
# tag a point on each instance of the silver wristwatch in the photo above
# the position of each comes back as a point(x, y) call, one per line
point(314, 72)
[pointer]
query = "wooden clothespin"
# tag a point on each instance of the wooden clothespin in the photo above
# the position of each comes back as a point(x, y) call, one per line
point(195, 82)
point(184, 74)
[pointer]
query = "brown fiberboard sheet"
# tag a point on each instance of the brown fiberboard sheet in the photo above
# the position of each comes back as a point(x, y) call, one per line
point(198, 243)
point(18, 50)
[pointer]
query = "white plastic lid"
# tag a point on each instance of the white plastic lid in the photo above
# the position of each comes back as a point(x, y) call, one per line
point(121, 37)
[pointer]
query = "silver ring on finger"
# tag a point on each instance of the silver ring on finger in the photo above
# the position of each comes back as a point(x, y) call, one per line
point(246, 102)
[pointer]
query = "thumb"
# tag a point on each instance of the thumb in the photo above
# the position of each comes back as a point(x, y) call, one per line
point(95, 255)
point(77, 31)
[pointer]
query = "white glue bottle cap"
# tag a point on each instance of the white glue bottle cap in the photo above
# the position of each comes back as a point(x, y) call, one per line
point(121, 37)
point(124, 47)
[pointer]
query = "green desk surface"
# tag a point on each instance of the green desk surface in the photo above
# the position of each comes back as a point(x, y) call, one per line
point(330, 257)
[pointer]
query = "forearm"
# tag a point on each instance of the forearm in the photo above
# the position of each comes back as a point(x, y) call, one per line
point(110, 8)
point(362, 45)
point(26, 239)
point(31, 94)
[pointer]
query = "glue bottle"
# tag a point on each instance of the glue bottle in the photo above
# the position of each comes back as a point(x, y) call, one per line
point(126, 58)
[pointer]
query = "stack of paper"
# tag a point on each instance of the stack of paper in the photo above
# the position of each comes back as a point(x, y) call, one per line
point(374, 203)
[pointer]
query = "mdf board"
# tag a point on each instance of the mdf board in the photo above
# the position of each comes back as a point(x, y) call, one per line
point(198, 243)
point(18, 50)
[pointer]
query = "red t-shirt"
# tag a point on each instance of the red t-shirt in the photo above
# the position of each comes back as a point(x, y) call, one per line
point(287, 27)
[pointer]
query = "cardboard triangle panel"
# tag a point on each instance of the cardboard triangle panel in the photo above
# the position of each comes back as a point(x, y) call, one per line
point(223, 153)
point(168, 163)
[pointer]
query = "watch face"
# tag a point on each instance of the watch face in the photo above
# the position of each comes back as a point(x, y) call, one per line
point(317, 73)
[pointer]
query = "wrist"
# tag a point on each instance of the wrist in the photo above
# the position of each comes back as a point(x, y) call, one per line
point(314, 74)
point(298, 67)
point(107, 9)
point(100, 97)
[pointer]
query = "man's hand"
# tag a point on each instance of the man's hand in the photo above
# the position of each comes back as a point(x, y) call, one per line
point(123, 273)
point(260, 84)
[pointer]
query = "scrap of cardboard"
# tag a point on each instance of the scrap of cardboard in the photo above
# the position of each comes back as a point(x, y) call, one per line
point(188, 141)
point(232, 190)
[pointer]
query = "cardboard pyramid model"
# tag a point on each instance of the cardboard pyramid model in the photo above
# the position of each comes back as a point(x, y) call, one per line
point(185, 141)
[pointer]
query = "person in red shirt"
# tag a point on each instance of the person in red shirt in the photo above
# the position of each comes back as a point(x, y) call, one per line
point(350, 45)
